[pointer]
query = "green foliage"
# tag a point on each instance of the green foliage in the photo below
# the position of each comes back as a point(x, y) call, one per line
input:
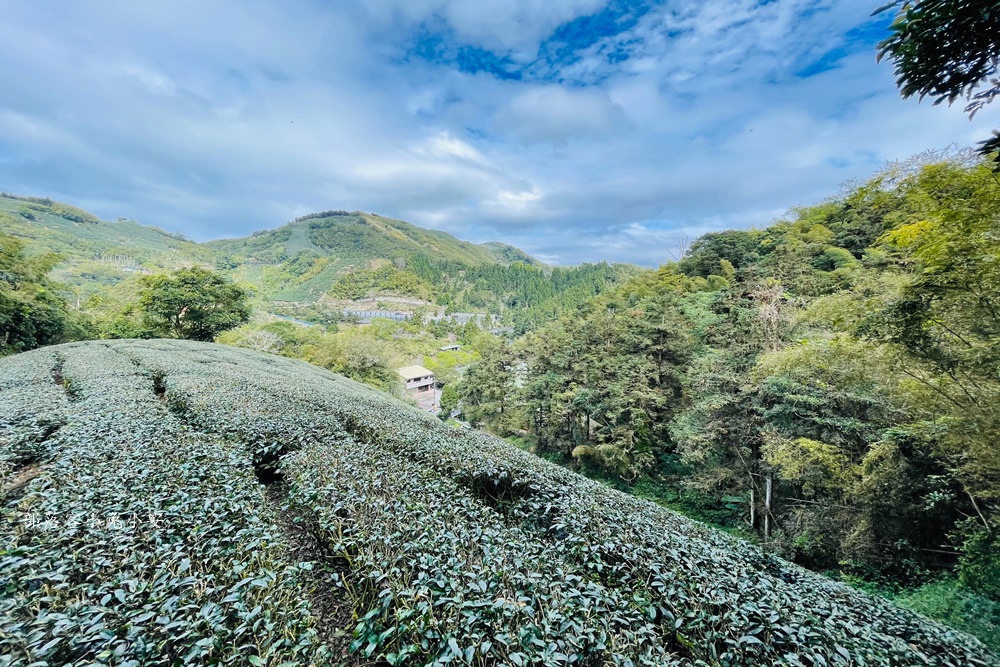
point(379, 280)
point(437, 545)
point(842, 361)
point(946, 49)
point(32, 311)
point(192, 303)
point(449, 401)
point(979, 567)
point(820, 469)
point(488, 386)
point(736, 247)
point(957, 606)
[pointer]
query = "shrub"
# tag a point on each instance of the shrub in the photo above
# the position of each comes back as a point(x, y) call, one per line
point(447, 546)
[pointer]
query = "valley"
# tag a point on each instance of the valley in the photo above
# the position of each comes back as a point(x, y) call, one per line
point(776, 383)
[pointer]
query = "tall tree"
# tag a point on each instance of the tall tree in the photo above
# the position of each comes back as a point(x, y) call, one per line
point(488, 387)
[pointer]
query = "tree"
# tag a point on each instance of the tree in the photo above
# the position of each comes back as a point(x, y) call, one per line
point(488, 385)
point(31, 311)
point(947, 49)
point(366, 360)
point(192, 303)
point(449, 401)
point(262, 341)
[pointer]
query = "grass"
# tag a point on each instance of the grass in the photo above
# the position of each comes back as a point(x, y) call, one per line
point(951, 603)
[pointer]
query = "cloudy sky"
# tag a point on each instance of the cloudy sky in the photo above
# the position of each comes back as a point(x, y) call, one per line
point(579, 130)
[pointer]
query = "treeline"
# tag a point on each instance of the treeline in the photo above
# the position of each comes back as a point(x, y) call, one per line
point(829, 383)
point(32, 311)
point(525, 296)
point(322, 214)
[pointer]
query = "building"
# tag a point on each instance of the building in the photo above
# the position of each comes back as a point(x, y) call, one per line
point(451, 348)
point(416, 378)
point(368, 315)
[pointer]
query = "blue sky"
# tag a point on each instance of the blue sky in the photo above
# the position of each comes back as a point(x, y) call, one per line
point(578, 130)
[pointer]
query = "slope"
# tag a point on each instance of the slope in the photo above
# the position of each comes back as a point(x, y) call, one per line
point(169, 502)
point(95, 252)
point(357, 236)
point(66, 229)
point(298, 261)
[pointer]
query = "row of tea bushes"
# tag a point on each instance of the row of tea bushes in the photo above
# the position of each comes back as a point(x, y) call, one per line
point(33, 404)
point(138, 541)
point(453, 547)
point(435, 574)
point(711, 597)
point(442, 577)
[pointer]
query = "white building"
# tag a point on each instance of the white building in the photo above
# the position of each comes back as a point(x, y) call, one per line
point(416, 378)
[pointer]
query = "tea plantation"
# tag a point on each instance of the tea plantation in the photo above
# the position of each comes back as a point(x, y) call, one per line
point(170, 503)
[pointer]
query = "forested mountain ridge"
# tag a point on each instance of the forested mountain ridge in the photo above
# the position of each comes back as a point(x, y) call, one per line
point(828, 384)
point(94, 249)
point(359, 236)
point(311, 266)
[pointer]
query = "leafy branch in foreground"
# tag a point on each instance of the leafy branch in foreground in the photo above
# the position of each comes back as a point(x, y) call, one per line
point(947, 49)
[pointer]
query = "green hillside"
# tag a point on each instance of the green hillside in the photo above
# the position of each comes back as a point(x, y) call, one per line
point(95, 252)
point(297, 262)
point(356, 236)
point(508, 254)
point(170, 502)
point(312, 265)
point(310, 253)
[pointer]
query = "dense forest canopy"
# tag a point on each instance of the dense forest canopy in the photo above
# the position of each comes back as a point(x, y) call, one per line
point(829, 383)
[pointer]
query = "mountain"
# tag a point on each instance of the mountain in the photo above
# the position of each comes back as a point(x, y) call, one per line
point(298, 261)
point(172, 502)
point(358, 237)
point(314, 250)
point(96, 252)
point(316, 265)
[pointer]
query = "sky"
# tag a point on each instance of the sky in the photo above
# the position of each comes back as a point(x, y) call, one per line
point(577, 130)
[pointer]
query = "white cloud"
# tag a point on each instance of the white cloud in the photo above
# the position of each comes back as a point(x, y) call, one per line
point(154, 81)
point(516, 26)
point(216, 119)
point(555, 114)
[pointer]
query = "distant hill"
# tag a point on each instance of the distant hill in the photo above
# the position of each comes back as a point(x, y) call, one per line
point(356, 236)
point(96, 252)
point(171, 502)
point(508, 254)
point(298, 261)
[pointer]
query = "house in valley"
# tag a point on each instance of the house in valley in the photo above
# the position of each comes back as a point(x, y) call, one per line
point(416, 378)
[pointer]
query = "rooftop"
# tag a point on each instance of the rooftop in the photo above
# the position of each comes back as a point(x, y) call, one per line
point(413, 372)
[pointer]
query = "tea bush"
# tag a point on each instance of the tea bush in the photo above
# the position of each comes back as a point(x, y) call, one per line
point(451, 547)
point(138, 541)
